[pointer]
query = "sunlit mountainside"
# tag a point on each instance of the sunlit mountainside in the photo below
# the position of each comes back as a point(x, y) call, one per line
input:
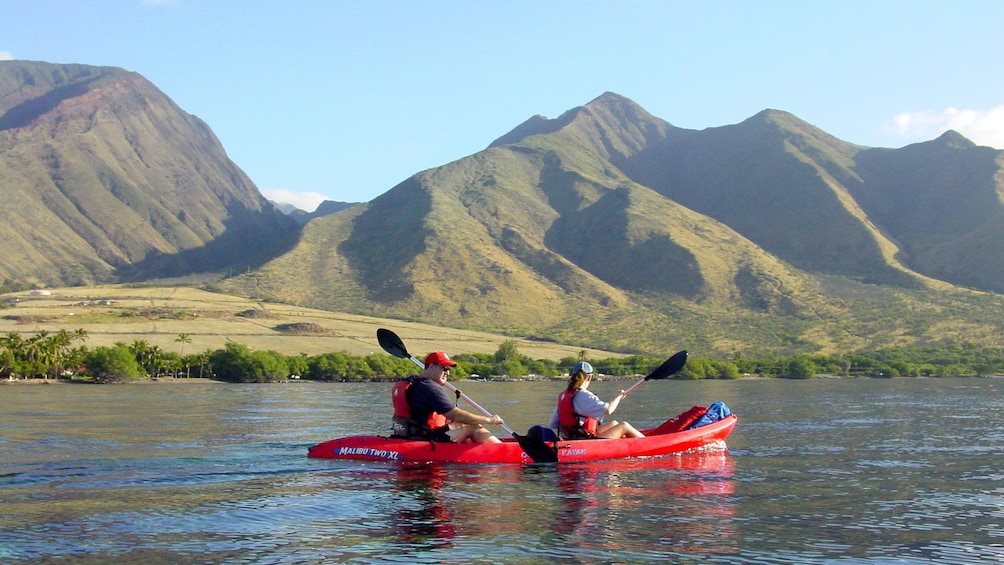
point(605, 226)
point(105, 179)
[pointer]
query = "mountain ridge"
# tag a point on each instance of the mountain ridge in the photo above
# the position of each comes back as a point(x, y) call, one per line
point(606, 226)
point(522, 204)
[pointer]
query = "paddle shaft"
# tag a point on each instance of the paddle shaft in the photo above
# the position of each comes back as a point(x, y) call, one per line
point(466, 398)
point(634, 386)
point(669, 367)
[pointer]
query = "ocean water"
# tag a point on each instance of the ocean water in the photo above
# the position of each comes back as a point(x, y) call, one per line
point(818, 471)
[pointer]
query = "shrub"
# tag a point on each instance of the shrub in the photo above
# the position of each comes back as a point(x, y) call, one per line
point(112, 364)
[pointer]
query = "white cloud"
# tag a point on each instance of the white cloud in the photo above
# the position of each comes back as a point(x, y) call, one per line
point(6, 56)
point(983, 127)
point(306, 201)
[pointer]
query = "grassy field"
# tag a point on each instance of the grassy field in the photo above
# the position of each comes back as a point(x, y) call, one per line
point(159, 315)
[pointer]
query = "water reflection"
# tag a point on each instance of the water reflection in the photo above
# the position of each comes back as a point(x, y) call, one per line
point(662, 505)
point(647, 509)
point(425, 517)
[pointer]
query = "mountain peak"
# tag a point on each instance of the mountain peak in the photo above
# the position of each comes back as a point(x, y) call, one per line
point(954, 140)
point(609, 106)
point(621, 106)
point(536, 125)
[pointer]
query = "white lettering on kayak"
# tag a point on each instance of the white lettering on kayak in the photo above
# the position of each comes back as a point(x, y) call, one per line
point(368, 451)
point(567, 452)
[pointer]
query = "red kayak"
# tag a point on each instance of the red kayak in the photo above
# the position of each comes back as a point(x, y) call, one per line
point(655, 443)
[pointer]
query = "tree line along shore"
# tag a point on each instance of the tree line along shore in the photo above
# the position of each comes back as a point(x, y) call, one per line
point(63, 356)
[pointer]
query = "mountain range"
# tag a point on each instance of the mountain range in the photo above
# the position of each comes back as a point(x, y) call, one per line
point(605, 226)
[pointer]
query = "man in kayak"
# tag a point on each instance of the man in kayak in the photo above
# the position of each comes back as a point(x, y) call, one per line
point(580, 413)
point(423, 409)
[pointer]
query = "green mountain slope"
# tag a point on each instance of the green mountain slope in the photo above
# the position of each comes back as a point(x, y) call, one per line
point(606, 227)
point(943, 201)
point(611, 227)
point(104, 178)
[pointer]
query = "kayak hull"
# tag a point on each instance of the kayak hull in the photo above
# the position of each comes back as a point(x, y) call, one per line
point(381, 448)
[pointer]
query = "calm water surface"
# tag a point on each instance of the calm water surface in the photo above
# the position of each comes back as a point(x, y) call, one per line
point(821, 471)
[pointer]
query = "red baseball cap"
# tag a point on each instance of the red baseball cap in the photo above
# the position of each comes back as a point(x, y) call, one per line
point(439, 358)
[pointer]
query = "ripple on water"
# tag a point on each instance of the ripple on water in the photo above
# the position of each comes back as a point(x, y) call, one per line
point(219, 474)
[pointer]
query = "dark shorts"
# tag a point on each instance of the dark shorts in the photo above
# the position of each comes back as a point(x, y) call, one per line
point(440, 435)
point(403, 430)
point(575, 433)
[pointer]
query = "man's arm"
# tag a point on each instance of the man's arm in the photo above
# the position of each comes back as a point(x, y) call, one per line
point(465, 417)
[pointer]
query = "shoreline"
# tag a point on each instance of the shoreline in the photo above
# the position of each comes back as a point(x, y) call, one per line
point(175, 380)
point(33, 382)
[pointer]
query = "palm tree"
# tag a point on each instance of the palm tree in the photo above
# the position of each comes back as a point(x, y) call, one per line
point(14, 346)
point(202, 359)
point(39, 354)
point(59, 344)
point(144, 354)
point(156, 361)
point(184, 338)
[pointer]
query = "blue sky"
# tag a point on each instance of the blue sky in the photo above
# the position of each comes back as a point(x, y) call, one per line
point(343, 100)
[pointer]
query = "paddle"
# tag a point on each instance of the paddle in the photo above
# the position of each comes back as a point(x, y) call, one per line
point(669, 367)
point(539, 451)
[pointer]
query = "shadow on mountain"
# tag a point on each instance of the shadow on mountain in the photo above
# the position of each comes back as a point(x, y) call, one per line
point(26, 112)
point(243, 247)
point(606, 250)
point(386, 238)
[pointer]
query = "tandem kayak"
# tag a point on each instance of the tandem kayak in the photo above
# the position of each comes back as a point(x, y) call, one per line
point(657, 442)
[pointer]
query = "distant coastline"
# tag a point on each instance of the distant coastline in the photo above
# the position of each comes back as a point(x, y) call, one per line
point(175, 380)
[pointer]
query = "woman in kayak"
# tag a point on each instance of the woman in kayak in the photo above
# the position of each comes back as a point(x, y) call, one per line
point(580, 413)
point(423, 410)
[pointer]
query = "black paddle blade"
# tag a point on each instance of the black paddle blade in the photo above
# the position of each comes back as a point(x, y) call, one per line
point(669, 367)
point(539, 451)
point(392, 344)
